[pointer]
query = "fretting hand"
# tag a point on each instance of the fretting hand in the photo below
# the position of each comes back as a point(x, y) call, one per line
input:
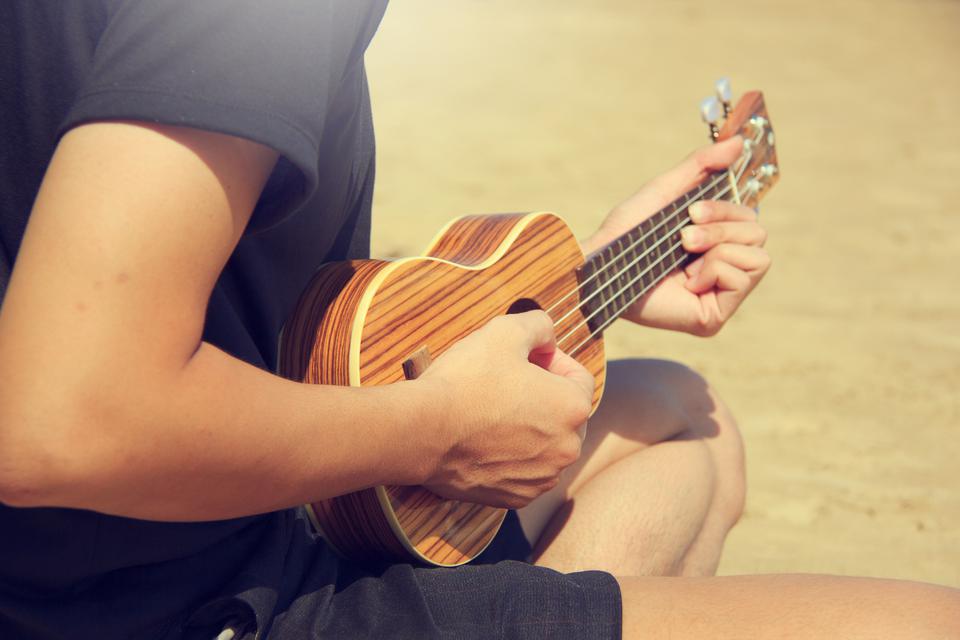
point(700, 298)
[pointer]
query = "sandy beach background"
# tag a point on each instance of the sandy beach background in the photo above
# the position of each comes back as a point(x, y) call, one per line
point(844, 367)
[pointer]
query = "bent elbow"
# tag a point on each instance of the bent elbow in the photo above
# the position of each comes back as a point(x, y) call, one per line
point(17, 490)
point(26, 472)
point(41, 462)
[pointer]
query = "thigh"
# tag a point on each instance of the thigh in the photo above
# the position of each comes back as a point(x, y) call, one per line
point(787, 606)
point(645, 402)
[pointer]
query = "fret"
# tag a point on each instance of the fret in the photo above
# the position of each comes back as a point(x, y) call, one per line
point(657, 269)
point(713, 193)
point(623, 280)
point(590, 283)
point(633, 263)
point(601, 308)
point(649, 242)
point(612, 278)
point(721, 190)
point(636, 250)
point(643, 244)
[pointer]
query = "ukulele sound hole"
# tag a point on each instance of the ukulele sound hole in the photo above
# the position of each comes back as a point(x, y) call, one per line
point(522, 305)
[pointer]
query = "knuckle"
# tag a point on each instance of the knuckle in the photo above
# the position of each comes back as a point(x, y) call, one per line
point(721, 252)
point(579, 411)
point(517, 502)
point(549, 484)
point(706, 328)
point(499, 324)
point(711, 330)
point(765, 261)
point(712, 234)
point(541, 318)
point(571, 453)
point(708, 210)
point(701, 158)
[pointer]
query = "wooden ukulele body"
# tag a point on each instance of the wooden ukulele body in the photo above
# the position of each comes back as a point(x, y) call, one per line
point(358, 321)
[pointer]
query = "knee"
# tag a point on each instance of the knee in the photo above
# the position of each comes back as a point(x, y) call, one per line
point(671, 402)
point(730, 460)
point(709, 419)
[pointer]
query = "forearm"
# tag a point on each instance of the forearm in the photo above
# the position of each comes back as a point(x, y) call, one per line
point(107, 403)
point(214, 439)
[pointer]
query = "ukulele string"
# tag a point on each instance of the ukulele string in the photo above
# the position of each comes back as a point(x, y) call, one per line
point(744, 162)
point(611, 281)
point(609, 321)
point(659, 261)
point(704, 188)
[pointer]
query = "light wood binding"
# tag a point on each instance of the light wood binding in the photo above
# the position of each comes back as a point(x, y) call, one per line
point(364, 319)
point(366, 322)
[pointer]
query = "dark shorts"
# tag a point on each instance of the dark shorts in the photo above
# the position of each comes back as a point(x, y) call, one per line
point(316, 594)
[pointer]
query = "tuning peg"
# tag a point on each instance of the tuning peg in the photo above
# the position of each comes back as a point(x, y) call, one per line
point(724, 94)
point(758, 126)
point(710, 111)
point(767, 171)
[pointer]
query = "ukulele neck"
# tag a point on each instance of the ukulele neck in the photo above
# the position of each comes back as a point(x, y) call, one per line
point(617, 275)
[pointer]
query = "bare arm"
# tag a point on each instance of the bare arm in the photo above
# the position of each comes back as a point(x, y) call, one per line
point(111, 402)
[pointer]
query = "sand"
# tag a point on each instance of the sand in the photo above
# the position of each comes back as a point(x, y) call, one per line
point(843, 368)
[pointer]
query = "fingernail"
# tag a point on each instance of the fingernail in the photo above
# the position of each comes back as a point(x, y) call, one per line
point(691, 236)
point(696, 211)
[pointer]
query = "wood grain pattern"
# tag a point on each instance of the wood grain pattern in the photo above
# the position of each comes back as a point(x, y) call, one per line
point(469, 240)
point(763, 150)
point(360, 320)
point(314, 348)
point(312, 341)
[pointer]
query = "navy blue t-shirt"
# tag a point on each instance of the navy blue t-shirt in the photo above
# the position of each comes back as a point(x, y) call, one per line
point(286, 73)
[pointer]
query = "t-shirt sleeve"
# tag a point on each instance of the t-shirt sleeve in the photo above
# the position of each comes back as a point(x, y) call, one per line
point(265, 71)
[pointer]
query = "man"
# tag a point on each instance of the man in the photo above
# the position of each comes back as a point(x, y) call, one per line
point(172, 174)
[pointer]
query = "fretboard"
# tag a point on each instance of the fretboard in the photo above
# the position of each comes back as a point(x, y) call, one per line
point(620, 273)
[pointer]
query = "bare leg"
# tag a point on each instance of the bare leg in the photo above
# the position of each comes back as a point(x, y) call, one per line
point(800, 606)
point(659, 483)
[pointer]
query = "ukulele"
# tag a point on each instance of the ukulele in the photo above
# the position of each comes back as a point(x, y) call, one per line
point(373, 322)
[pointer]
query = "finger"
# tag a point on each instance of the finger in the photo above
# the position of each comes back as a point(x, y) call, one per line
point(694, 267)
point(582, 433)
point(722, 276)
point(527, 332)
point(752, 261)
point(719, 210)
point(744, 257)
point(564, 365)
point(705, 160)
point(702, 237)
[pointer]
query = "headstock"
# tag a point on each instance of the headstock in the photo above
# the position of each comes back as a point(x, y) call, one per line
point(756, 170)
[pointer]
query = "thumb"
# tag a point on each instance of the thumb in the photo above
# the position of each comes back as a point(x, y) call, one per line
point(562, 364)
point(531, 332)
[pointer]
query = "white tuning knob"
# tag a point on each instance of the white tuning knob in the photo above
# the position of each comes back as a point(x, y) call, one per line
point(768, 170)
point(759, 125)
point(711, 112)
point(724, 93)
